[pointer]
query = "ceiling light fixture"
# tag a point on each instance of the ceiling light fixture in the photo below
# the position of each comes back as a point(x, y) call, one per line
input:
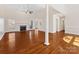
point(28, 12)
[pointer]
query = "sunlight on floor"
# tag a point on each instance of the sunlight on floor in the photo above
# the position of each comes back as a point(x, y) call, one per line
point(75, 41)
point(68, 39)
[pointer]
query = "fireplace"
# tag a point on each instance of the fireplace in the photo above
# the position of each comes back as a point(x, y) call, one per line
point(23, 28)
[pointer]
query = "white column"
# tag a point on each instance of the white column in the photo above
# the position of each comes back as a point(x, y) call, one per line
point(47, 27)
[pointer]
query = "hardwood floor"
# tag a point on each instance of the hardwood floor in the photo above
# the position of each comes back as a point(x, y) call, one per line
point(22, 43)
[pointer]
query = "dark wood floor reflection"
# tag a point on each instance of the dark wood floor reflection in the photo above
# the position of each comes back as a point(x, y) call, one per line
point(25, 43)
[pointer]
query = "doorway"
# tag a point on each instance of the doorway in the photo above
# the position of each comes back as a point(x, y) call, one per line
point(58, 23)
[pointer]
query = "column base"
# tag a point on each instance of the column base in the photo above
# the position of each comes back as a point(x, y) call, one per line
point(46, 43)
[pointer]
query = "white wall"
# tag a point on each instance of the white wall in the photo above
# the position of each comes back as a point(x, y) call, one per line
point(60, 7)
point(54, 16)
point(2, 25)
point(15, 12)
point(2, 31)
point(51, 13)
point(72, 19)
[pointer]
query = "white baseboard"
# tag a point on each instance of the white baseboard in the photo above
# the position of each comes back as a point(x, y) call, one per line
point(72, 30)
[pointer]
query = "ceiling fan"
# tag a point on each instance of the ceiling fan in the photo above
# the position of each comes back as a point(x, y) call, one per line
point(28, 11)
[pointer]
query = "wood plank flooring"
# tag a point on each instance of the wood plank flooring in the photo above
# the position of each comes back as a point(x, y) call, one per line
point(23, 43)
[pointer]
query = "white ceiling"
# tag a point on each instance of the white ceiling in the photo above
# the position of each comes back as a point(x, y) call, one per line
point(60, 7)
point(25, 6)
